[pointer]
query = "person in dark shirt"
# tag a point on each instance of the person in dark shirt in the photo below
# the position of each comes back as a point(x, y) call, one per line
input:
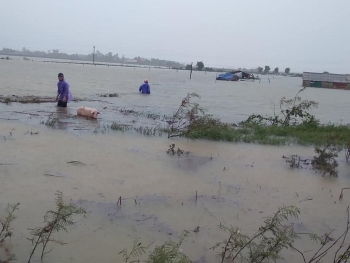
point(145, 88)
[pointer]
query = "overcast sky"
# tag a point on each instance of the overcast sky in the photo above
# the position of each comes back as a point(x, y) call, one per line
point(305, 35)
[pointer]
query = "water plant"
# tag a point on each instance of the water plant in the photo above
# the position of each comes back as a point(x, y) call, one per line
point(111, 95)
point(9, 259)
point(54, 222)
point(51, 121)
point(271, 238)
point(168, 252)
point(293, 125)
point(137, 250)
point(172, 150)
point(325, 159)
point(5, 221)
point(277, 234)
point(7, 101)
point(190, 119)
point(22, 99)
point(119, 127)
point(268, 243)
point(292, 112)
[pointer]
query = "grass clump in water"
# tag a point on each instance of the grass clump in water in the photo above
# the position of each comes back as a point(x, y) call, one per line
point(143, 130)
point(119, 127)
point(147, 114)
point(23, 100)
point(110, 95)
point(51, 121)
point(293, 125)
point(7, 101)
point(149, 131)
point(30, 100)
point(276, 135)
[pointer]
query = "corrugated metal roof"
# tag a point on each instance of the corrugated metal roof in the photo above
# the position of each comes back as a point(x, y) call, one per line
point(327, 77)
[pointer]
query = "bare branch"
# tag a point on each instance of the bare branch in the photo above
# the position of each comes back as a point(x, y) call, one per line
point(346, 233)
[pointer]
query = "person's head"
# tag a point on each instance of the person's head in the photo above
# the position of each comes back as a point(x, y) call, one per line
point(60, 76)
point(146, 80)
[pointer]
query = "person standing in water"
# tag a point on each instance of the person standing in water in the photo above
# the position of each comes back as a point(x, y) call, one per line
point(145, 88)
point(63, 92)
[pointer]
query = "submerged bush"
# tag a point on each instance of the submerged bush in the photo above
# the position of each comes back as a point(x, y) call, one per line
point(191, 119)
point(292, 112)
point(325, 159)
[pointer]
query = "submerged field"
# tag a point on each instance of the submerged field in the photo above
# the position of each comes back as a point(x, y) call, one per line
point(132, 188)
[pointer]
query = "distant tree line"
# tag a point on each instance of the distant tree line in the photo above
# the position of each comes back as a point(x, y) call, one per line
point(115, 58)
point(267, 69)
point(99, 57)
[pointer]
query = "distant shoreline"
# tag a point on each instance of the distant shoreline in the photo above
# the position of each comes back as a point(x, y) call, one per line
point(86, 62)
point(133, 64)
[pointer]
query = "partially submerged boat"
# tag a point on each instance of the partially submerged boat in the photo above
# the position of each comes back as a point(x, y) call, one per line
point(236, 76)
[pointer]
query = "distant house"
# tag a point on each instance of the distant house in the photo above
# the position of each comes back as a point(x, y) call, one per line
point(326, 80)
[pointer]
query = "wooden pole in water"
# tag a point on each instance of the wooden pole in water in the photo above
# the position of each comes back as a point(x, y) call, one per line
point(93, 56)
point(191, 71)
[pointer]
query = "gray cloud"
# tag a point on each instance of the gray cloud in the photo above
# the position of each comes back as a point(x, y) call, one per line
point(303, 35)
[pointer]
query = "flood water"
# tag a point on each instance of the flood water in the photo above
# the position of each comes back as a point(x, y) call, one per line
point(236, 184)
point(229, 101)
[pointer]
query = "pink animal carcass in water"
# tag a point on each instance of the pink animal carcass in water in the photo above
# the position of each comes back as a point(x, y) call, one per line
point(88, 112)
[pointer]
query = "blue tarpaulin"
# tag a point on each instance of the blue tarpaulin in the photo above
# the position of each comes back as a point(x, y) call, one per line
point(225, 76)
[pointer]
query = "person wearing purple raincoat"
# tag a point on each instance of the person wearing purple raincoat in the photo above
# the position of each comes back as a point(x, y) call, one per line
point(64, 94)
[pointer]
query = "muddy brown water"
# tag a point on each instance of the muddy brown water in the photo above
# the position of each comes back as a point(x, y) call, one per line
point(236, 184)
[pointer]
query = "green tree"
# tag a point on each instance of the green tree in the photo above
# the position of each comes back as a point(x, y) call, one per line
point(267, 69)
point(200, 65)
point(260, 70)
point(188, 67)
point(276, 70)
point(287, 70)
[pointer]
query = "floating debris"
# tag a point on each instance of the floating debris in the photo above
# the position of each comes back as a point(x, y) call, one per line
point(76, 162)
